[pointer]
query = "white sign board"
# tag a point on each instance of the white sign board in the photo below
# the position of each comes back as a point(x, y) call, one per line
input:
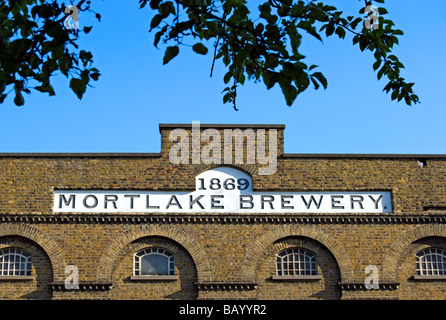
point(222, 190)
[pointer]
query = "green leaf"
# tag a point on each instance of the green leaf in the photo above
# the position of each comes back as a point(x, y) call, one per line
point(158, 36)
point(302, 83)
point(329, 30)
point(213, 27)
point(307, 26)
point(171, 52)
point(290, 93)
point(316, 85)
point(395, 94)
point(64, 63)
point(355, 22)
point(227, 97)
point(78, 86)
point(85, 56)
point(340, 32)
point(46, 88)
point(45, 11)
point(295, 37)
point(165, 9)
point(321, 78)
point(270, 79)
point(155, 21)
point(392, 57)
point(241, 78)
point(227, 77)
point(154, 4)
point(95, 76)
point(381, 72)
point(87, 29)
point(200, 48)
point(377, 64)
point(19, 100)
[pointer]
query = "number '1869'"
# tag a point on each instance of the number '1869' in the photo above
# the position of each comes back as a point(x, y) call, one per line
point(228, 184)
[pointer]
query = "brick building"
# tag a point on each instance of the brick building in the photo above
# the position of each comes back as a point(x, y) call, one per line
point(177, 225)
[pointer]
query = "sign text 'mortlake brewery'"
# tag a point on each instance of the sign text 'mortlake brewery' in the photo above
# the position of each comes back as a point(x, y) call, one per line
point(224, 190)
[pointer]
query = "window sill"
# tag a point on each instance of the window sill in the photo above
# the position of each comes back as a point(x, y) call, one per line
point(154, 278)
point(16, 278)
point(429, 278)
point(296, 278)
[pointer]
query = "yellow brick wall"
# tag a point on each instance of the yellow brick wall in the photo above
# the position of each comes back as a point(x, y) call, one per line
point(220, 256)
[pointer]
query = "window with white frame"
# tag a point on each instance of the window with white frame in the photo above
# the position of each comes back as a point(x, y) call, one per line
point(296, 262)
point(154, 262)
point(15, 262)
point(431, 262)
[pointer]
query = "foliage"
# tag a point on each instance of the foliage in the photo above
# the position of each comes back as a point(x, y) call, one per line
point(35, 45)
point(261, 46)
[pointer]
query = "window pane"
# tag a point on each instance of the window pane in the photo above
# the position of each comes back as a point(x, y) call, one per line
point(154, 264)
point(296, 262)
point(431, 262)
point(15, 262)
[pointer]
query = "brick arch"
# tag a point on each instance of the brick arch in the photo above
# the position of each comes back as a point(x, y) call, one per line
point(248, 169)
point(260, 245)
point(400, 245)
point(39, 237)
point(176, 234)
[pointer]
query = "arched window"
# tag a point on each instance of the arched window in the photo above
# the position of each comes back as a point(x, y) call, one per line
point(431, 262)
point(296, 262)
point(154, 261)
point(15, 262)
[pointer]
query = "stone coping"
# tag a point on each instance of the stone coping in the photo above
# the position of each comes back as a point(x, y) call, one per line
point(159, 154)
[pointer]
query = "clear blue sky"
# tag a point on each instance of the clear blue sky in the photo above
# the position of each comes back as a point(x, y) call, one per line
point(136, 92)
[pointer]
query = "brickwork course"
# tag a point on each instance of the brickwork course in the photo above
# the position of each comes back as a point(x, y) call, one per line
point(222, 255)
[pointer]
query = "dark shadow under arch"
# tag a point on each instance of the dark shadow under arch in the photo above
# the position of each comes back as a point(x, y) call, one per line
point(399, 246)
point(48, 245)
point(110, 253)
point(260, 245)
